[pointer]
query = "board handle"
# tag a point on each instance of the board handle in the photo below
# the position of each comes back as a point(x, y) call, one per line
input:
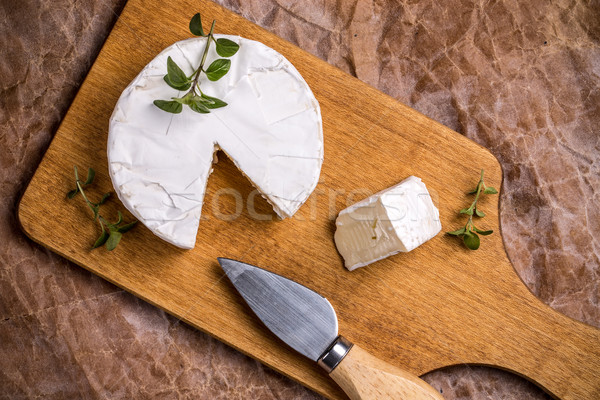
point(365, 377)
point(554, 351)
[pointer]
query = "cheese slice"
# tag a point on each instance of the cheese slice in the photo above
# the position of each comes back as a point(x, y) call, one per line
point(396, 219)
point(271, 128)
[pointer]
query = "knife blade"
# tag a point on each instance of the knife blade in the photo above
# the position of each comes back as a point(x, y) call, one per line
point(307, 322)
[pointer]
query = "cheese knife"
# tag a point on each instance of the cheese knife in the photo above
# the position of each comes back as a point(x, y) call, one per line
point(307, 322)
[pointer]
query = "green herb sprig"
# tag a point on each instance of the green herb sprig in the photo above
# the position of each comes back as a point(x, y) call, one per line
point(111, 232)
point(470, 232)
point(177, 79)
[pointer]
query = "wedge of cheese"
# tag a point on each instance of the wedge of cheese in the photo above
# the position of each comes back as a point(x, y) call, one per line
point(271, 129)
point(396, 219)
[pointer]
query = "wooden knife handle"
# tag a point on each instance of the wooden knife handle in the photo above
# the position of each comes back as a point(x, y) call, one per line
point(363, 376)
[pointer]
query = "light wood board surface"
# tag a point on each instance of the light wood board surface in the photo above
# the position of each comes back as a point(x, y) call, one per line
point(438, 305)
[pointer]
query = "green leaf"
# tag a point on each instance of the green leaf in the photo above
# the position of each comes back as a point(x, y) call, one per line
point(73, 193)
point(213, 102)
point(113, 240)
point(479, 213)
point(482, 232)
point(119, 220)
point(199, 107)
point(185, 86)
point(202, 100)
point(218, 69)
point(226, 47)
point(90, 176)
point(468, 211)
point(196, 25)
point(188, 99)
point(126, 227)
point(471, 240)
point(181, 100)
point(104, 198)
point(457, 232)
point(490, 190)
point(175, 75)
point(101, 239)
point(169, 106)
point(474, 191)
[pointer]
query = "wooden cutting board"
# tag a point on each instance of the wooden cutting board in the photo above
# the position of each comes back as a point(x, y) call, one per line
point(436, 306)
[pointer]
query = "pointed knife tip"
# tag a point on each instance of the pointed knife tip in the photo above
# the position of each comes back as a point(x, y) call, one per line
point(224, 262)
point(231, 267)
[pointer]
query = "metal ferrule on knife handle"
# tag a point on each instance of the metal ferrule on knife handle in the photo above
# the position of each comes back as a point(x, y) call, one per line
point(335, 353)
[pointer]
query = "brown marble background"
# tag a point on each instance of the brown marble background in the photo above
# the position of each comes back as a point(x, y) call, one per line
point(520, 77)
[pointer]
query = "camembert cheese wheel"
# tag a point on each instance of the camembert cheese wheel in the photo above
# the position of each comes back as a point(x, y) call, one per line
point(271, 128)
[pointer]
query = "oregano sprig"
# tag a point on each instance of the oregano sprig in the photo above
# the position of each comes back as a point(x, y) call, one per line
point(470, 232)
point(197, 100)
point(111, 232)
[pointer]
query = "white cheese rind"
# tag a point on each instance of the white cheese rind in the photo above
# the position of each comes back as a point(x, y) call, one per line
point(271, 128)
point(397, 219)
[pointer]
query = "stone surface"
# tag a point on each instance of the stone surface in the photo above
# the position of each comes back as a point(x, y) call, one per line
point(520, 78)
